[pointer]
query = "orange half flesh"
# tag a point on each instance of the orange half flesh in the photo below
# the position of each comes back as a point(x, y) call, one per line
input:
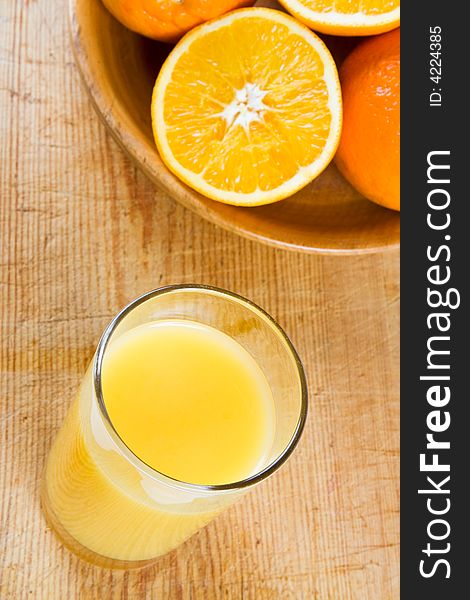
point(247, 108)
point(346, 17)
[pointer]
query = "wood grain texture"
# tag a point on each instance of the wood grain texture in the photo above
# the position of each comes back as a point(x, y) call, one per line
point(82, 233)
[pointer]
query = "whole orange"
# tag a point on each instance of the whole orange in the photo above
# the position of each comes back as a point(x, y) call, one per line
point(168, 20)
point(369, 150)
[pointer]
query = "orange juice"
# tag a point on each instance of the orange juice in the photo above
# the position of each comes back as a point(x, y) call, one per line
point(191, 403)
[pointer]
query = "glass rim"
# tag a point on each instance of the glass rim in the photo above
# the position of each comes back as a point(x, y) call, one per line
point(133, 458)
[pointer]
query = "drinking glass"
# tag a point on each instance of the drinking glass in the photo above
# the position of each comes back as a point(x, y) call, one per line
point(103, 501)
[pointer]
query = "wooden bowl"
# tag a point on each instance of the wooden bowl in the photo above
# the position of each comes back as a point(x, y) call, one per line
point(119, 69)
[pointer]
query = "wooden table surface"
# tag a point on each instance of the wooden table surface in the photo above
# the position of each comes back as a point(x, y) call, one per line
point(82, 233)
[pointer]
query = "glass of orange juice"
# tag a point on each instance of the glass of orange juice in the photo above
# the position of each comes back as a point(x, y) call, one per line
point(194, 396)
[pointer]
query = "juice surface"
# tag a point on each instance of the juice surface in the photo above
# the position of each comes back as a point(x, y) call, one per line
point(189, 401)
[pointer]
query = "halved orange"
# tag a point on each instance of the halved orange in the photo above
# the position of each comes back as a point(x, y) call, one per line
point(346, 17)
point(247, 108)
